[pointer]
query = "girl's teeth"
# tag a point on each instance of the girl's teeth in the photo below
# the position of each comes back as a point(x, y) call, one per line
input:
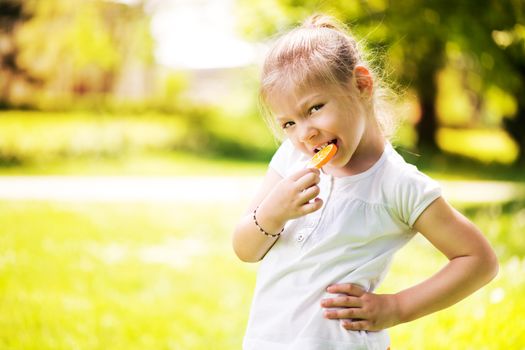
point(322, 146)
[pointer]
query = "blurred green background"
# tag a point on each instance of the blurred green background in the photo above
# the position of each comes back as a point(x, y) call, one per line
point(168, 89)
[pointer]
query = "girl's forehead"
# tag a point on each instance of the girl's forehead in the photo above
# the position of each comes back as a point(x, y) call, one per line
point(286, 101)
point(294, 94)
point(289, 97)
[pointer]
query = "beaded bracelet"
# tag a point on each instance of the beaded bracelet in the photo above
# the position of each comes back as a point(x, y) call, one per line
point(261, 229)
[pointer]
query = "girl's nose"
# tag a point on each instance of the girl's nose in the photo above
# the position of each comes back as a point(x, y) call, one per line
point(308, 132)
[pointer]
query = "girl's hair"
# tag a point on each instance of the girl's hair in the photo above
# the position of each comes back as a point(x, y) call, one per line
point(321, 50)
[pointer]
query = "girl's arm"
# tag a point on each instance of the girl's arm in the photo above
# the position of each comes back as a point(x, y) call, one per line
point(277, 201)
point(472, 264)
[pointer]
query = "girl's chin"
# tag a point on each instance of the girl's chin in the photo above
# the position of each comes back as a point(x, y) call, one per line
point(333, 165)
point(339, 163)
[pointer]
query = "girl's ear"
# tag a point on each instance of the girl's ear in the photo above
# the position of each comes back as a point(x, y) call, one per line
point(364, 80)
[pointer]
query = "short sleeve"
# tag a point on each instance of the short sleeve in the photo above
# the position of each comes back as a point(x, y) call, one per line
point(285, 159)
point(414, 193)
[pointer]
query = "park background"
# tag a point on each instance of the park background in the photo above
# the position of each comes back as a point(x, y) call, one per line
point(131, 141)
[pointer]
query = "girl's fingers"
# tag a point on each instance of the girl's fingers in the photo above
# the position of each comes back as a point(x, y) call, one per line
point(303, 172)
point(355, 325)
point(307, 180)
point(346, 288)
point(309, 193)
point(312, 206)
point(348, 313)
point(342, 301)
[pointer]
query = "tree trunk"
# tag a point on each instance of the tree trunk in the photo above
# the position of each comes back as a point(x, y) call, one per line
point(427, 90)
point(515, 127)
point(427, 126)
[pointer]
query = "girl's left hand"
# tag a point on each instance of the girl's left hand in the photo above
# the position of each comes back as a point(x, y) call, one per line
point(360, 310)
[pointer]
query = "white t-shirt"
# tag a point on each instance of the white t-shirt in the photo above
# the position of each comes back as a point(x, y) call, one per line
point(364, 220)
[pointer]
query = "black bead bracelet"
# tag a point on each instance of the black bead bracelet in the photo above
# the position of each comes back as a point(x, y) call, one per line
point(261, 229)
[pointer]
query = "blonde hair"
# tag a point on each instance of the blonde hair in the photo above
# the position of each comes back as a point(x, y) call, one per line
point(321, 50)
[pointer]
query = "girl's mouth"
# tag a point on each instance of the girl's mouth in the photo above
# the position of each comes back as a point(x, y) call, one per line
point(320, 147)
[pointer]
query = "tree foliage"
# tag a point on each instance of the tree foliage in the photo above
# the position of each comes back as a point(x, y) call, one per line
point(483, 41)
point(71, 48)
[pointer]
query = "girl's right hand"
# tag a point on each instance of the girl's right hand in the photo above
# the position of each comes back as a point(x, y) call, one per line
point(293, 197)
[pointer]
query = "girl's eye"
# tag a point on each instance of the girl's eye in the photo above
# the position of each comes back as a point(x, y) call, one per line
point(286, 125)
point(315, 108)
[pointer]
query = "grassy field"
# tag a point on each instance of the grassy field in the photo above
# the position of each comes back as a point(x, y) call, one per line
point(157, 276)
point(129, 276)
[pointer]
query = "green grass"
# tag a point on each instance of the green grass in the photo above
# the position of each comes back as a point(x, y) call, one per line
point(157, 276)
point(165, 163)
point(129, 276)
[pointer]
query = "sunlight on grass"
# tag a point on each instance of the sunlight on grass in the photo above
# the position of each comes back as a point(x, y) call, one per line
point(484, 145)
point(120, 277)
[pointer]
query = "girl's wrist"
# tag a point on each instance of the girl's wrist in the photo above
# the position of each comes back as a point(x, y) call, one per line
point(400, 311)
point(263, 231)
point(267, 222)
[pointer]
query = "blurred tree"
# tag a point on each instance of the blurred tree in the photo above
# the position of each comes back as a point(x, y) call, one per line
point(416, 35)
point(11, 17)
point(499, 49)
point(78, 48)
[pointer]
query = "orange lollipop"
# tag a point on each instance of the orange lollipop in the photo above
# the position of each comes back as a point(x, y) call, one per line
point(322, 157)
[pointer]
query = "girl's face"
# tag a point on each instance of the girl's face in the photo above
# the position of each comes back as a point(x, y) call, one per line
point(315, 116)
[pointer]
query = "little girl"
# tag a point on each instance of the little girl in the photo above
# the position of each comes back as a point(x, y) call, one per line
point(326, 238)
